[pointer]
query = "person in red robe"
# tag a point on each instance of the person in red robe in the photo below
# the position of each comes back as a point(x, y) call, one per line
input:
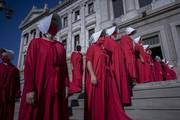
point(172, 72)
point(140, 57)
point(102, 101)
point(169, 73)
point(45, 76)
point(118, 64)
point(127, 47)
point(149, 66)
point(158, 69)
point(9, 86)
point(77, 71)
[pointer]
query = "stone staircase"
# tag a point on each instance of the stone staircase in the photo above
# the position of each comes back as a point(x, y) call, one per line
point(150, 101)
point(156, 101)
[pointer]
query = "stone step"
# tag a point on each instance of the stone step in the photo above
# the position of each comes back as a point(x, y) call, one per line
point(154, 114)
point(150, 101)
point(78, 113)
point(155, 101)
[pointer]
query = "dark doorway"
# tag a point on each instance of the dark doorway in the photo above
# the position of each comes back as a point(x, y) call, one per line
point(156, 51)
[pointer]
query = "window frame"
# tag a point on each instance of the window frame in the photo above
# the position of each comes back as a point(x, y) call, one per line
point(76, 18)
point(76, 41)
point(91, 11)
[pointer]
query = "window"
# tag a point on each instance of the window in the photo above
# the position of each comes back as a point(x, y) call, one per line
point(178, 31)
point(143, 3)
point(26, 37)
point(151, 40)
point(24, 59)
point(33, 33)
point(76, 41)
point(65, 21)
point(90, 32)
point(40, 34)
point(118, 8)
point(155, 47)
point(77, 15)
point(64, 42)
point(90, 8)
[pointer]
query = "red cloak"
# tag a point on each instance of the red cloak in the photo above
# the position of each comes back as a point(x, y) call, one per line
point(158, 71)
point(77, 72)
point(139, 52)
point(149, 69)
point(119, 69)
point(102, 101)
point(170, 74)
point(173, 74)
point(46, 74)
point(129, 53)
point(9, 90)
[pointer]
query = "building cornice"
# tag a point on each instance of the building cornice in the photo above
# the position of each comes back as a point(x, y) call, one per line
point(62, 5)
point(150, 14)
point(41, 13)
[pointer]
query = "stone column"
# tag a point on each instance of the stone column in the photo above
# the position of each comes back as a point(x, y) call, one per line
point(82, 34)
point(171, 54)
point(30, 36)
point(176, 30)
point(20, 51)
point(98, 17)
point(102, 14)
point(111, 10)
point(37, 33)
point(69, 38)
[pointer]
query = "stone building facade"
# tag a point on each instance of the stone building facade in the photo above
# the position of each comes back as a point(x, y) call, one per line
point(157, 21)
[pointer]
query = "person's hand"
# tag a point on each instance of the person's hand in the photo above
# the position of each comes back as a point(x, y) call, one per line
point(30, 98)
point(142, 61)
point(93, 80)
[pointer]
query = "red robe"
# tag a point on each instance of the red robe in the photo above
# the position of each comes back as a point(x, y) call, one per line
point(77, 72)
point(9, 90)
point(129, 53)
point(158, 71)
point(173, 74)
point(139, 51)
point(149, 69)
point(119, 69)
point(170, 74)
point(45, 73)
point(102, 101)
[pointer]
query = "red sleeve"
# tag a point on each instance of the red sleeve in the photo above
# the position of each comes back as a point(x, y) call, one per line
point(127, 47)
point(30, 67)
point(72, 54)
point(90, 54)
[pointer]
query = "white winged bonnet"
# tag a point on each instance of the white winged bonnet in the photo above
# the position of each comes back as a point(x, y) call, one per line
point(44, 25)
point(111, 30)
point(129, 30)
point(95, 36)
